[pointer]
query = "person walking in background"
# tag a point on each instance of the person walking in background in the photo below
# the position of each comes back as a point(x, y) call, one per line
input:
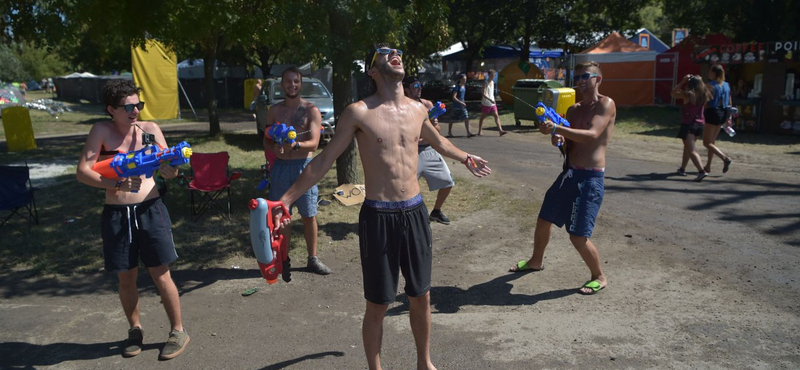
point(431, 164)
point(716, 115)
point(489, 105)
point(695, 95)
point(460, 106)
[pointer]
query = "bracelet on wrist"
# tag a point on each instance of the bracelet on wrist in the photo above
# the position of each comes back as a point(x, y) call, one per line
point(116, 187)
point(467, 160)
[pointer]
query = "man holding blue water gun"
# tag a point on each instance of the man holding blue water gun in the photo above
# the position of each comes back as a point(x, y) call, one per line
point(575, 198)
point(135, 223)
point(292, 157)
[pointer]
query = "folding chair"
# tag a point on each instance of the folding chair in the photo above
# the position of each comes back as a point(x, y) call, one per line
point(210, 180)
point(16, 194)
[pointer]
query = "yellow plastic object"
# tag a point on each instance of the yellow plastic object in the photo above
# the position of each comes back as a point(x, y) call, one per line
point(18, 129)
point(560, 99)
point(156, 72)
point(187, 152)
point(248, 91)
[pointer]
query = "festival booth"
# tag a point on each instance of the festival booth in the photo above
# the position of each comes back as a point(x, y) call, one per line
point(764, 79)
point(498, 57)
point(648, 40)
point(677, 62)
point(628, 70)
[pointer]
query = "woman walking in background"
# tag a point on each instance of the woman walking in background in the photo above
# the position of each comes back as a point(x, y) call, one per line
point(694, 97)
point(716, 115)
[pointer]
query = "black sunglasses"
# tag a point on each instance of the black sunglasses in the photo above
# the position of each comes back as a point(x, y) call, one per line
point(129, 107)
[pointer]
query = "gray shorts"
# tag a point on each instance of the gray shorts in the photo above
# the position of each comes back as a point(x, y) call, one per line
point(433, 168)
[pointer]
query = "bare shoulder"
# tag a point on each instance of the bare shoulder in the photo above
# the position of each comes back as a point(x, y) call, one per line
point(608, 104)
point(427, 103)
point(149, 126)
point(310, 106)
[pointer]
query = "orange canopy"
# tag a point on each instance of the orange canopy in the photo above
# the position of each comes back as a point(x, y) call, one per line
point(614, 43)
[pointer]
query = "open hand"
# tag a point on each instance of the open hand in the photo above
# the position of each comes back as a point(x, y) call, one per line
point(477, 166)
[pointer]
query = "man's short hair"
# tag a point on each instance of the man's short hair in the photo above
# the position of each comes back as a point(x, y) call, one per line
point(589, 64)
point(409, 80)
point(292, 69)
point(116, 90)
point(492, 71)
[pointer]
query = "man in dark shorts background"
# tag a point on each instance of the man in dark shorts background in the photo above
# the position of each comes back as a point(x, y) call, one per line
point(394, 231)
point(431, 164)
point(135, 223)
point(574, 198)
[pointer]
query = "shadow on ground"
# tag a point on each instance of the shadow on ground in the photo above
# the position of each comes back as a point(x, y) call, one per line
point(496, 292)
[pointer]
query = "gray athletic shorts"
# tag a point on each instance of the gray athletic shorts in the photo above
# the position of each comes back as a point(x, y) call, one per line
point(433, 168)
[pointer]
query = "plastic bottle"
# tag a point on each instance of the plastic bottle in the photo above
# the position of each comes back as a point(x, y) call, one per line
point(729, 130)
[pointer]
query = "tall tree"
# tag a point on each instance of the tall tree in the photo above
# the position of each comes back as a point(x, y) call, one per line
point(422, 28)
point(744, 20)
point(477, 24)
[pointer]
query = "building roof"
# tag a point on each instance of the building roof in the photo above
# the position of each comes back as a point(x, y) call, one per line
point(614, 43)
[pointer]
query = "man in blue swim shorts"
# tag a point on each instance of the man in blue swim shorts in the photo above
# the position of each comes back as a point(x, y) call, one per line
point(575, 197)
point(393, 229)
point(292, 159)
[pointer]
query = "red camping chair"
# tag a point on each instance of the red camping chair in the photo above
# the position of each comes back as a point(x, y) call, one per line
point(210, 180)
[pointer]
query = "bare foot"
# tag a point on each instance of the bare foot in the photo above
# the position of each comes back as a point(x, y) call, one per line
point(503, 133)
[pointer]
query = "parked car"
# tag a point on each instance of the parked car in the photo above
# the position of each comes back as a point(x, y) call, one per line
point(474, 90)
point(438, 90)
point(313, 91)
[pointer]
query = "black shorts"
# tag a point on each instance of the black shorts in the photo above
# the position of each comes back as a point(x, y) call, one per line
point(715, 116)
point(696, 130)
point(394, 240)
point(134, 231)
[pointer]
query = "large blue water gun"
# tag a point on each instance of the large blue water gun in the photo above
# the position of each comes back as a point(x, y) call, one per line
point(545, 113)
point(437, 110)
point(280, 133)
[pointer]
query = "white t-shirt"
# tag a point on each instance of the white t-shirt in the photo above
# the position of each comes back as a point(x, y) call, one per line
point(488, 91)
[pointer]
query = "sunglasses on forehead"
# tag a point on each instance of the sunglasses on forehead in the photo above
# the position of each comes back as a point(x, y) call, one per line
point(129, 107)
point(415, 85)
point(385, 51)
point(584, 76)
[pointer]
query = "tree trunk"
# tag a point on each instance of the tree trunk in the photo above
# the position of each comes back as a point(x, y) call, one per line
point(209, 57)
point(347, 163)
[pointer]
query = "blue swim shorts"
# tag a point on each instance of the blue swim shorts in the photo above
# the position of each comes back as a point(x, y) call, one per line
point(283, 175)
point(574, 200)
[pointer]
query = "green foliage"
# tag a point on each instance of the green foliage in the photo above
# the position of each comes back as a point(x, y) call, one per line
point(12, 70)
point(742, 20)
point(423, 29)
point(40, 62)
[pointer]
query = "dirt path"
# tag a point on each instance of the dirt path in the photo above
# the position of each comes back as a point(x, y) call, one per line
point(701, 276)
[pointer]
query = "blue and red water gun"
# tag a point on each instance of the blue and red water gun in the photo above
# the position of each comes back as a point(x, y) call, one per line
point(280, 133)
point(545, 113)
point(144, 161)
point(271, 249)
point(437, 110)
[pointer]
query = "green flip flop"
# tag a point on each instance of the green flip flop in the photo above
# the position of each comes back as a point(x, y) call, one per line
point(593, 285)
point(522, 266)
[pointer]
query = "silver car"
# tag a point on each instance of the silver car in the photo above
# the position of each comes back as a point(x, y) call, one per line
point(313, 91)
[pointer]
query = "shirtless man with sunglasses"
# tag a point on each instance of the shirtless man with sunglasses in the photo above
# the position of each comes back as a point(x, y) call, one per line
point(394, 230)
point(575, 197)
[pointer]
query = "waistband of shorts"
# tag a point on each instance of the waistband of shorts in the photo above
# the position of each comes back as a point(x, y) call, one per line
point(584, 173)
point(401, 205)
point(145, 204)
point(291, 162)
point(592, 169)
point(422, 147)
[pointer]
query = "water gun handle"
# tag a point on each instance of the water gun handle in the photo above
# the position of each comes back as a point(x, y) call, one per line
point(437, 110)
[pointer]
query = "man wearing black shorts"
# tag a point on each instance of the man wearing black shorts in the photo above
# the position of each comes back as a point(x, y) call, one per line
point(135, 223)
point(394, 231)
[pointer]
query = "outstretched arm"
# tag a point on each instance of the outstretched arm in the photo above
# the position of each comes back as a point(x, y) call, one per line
point(475, 164)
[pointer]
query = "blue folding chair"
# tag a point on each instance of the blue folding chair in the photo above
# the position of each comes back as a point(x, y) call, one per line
point(16, 194)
